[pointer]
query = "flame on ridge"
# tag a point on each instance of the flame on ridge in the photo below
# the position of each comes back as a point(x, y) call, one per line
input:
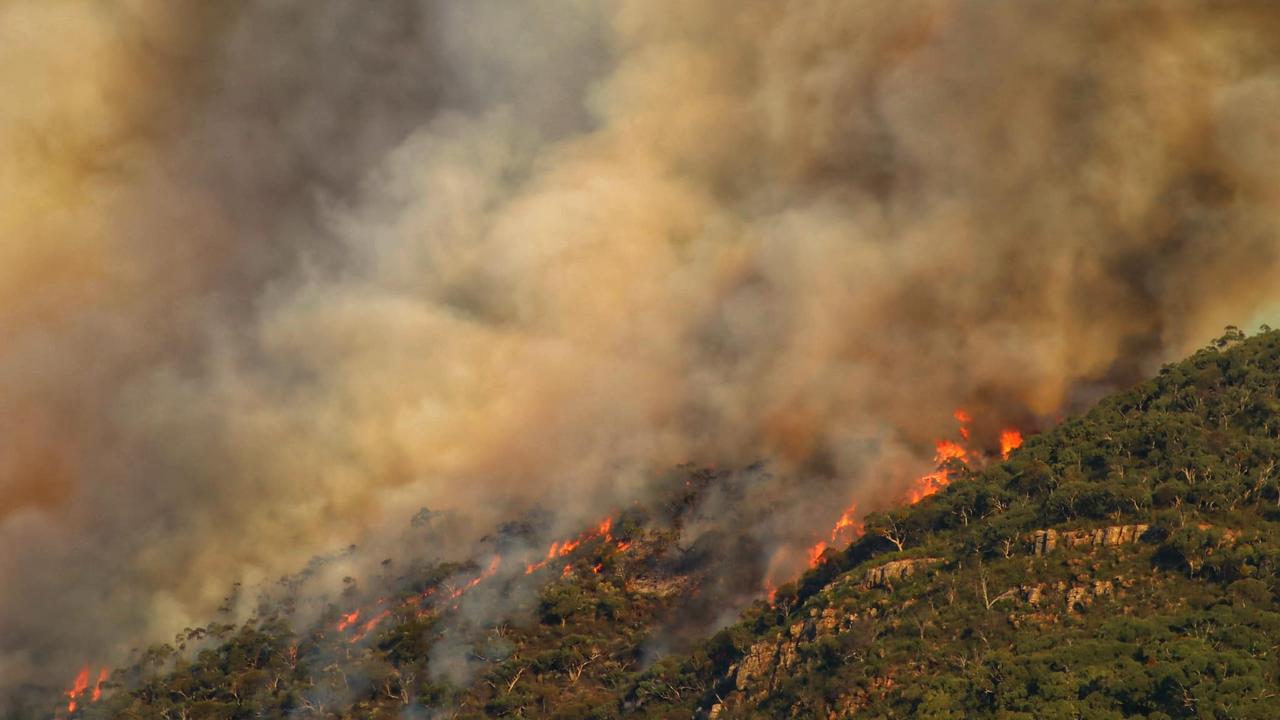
point(369, 626)
point(559, 549)
point(494, 563)
point(103, 674)
point(815, 553)
point(603, 530)
point(944, 452)
point(848, 521)
point(80, 687)
point(1010, 440)
point(77, 688)
point(928, 484)
point(848, 526)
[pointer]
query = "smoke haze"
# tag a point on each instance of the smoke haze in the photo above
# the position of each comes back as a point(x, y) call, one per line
point(274, 276)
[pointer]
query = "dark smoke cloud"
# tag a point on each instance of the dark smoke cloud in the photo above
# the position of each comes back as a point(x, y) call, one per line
point(274, 276)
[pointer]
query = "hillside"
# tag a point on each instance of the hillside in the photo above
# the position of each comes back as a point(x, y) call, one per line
point(1121, 564)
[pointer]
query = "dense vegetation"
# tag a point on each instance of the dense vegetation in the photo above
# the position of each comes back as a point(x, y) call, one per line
point(1155, 596)
point(1180, 622)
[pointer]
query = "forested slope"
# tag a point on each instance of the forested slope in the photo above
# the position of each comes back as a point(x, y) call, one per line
point(1122, 564)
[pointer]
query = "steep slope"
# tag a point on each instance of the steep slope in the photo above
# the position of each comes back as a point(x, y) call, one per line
point(1124, 563)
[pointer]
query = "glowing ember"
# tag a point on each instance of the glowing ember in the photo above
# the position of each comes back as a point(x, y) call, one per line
point(494, 563)
point(348, 620)
point(1010, 440)
point(420, 597)
point(369, 626)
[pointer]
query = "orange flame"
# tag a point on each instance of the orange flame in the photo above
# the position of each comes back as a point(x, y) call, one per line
point(558, 549)
point(948, 450)
point(944, 452)
point(603, 530)
point(368, 627)
point(348, 620)
point(964, 419)
point(494, 563)
point(77, 688)
point(847, 520)
point(928, 485)
point(815, 553)
point(80, 687)
point(1010, 440)
point(97, 688)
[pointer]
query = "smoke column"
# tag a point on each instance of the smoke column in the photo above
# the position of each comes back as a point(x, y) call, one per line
point(273, 276)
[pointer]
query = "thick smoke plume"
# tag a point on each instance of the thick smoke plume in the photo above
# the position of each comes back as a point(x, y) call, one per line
point(273, 276)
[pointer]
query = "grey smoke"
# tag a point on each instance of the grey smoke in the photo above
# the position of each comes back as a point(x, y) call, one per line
point(277, 275)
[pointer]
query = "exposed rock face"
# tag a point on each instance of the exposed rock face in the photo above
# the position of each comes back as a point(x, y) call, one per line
point(1075, 597)
point(884, 575)
point(768, 663)
point(764, 667)
point(767, 660)
point(829, 621)
point(1044, 542)
point(1078, 598)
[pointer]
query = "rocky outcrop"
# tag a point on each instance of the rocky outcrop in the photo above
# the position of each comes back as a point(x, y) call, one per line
point(1072, 597)
point(1080, 597)
point(769, 662)
point(758, 672)
point(885, 575)
point(1046, 541)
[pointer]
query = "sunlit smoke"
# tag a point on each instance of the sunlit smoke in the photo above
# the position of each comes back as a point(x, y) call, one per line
point(275, 276)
